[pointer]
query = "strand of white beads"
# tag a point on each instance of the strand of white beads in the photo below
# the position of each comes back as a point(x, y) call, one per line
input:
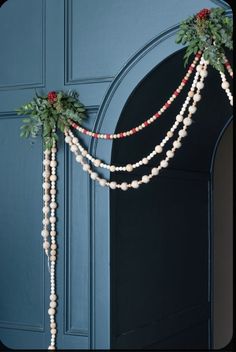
point(164, 162)
point(225, 85)
point(46, 199)
point(53, 248)
point(157, 149)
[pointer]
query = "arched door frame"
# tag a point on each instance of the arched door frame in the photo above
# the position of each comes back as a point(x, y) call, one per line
point(135, 70)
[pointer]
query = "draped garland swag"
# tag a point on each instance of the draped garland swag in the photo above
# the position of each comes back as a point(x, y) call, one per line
point(206, 35)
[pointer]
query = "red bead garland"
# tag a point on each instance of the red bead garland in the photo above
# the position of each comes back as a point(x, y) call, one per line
point(149, 121)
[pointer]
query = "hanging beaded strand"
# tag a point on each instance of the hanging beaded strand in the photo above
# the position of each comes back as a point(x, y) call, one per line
point(158, 148)
point(170, 154)
point(53, 251)
point(149, 121)
point(226, 87)
point(46, 199)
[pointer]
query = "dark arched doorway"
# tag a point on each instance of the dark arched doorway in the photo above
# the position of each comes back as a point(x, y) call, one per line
point(161, 234)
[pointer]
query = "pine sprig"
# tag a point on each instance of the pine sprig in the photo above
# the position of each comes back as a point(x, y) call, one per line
point(210, 31)
point(48, 114)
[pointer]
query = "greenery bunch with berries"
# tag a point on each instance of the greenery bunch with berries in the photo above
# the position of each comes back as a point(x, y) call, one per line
point(210, 31)
point(50, 113)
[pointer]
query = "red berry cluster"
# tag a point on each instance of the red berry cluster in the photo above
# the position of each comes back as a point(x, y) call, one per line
point(52, 97)
point(203, 14)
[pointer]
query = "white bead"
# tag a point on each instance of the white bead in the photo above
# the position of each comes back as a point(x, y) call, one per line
point(45, 221)
point(199, 68)
point(53, 163)
point(79, 158)
point(113, 185)
point(145, 161)
point(179, 118)
point(46, 197)
point(74, 148)
point(169, 134)
point(112, 168)
point(53, 297)
point(93, 175)
point(182, 133)
point(53, 219)
point(192, 109)
point(145, 179)
point(84, 152)
point(53, 191)
point(51, 347)
point(45, 233)
point(53, 331)
point(53, 304)
point(170, 154)
point(164, 163)
point(53, 178)
point(155, 171)
point(46, 162)
point(102, 182)
point(135, 184)
point(129, 167)
point(75, 140)
point(200, 85)
point(225, 85)
point(46, 174)
point(53, 205)
point(158, 149)
point(124, 186)
point(197, 97)
point(46, 245)
point(203, 73)
point(86, 167)
point(51, 311)
point(177, 144)
point(46, 185)
point(46, 210)
point(97, 162)
point(187, 121)
point(68, 139)
point(190, 94)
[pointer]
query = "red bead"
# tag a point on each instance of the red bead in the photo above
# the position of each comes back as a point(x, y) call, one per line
point(95, 135)
point(145, 123)
point(167, 105)
point(176, 93)
point(184, 80)
point(134, 130)
point(121, 135)
point(157, 115)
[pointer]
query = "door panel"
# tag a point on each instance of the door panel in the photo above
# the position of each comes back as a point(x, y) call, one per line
point(53, 45)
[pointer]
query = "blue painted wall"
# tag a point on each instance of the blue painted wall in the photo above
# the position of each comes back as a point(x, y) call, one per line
point(103, 49)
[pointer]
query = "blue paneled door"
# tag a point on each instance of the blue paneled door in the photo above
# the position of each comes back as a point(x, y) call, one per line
point(53, 45)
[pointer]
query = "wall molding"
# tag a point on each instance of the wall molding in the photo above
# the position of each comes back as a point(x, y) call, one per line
point(42, 83)
point(69, 79)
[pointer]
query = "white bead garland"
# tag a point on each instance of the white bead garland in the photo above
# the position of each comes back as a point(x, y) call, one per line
point(71, 139)
point(163, 163)
point(226, 87)
point(50, 248)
